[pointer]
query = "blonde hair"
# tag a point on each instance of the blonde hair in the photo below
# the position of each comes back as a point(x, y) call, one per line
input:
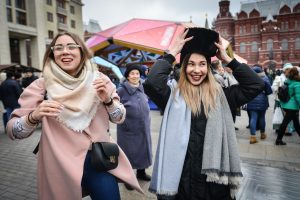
point(206, 93)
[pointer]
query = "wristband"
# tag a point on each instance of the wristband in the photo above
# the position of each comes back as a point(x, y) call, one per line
point(109, 103)
point(31, 120)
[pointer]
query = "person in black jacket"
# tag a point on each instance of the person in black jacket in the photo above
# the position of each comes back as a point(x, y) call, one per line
point(29, 78)
point(10, 92)
point(200, 93)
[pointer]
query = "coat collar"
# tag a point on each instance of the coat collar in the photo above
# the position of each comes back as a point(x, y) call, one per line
point(130, 89)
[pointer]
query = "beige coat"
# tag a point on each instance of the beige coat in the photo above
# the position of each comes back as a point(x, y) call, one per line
point(62, 151)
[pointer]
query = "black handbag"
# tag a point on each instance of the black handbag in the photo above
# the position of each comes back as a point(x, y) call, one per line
point(105, 156)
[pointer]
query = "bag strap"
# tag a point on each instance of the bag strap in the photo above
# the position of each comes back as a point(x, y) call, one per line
point(36, 149)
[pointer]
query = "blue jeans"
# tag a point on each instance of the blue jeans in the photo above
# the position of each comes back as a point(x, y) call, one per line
point(100, 185)
point(6, 116)
point(260, 116)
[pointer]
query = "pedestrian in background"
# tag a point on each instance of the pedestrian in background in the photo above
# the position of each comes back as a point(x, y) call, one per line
point(279, 80)
point(133, 135)
point(225, 79)
point(258, 107)
point(28, 78)
point(81, 101)
point(195, 159)
point(10, 92)
point(291, 108)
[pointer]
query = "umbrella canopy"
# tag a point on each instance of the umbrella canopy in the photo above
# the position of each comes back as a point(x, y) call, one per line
point(14, 67)
point(143, 34)
point(103, 62)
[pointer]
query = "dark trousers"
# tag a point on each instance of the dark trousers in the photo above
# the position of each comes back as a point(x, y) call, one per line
point(289, 115)
point(99, 185)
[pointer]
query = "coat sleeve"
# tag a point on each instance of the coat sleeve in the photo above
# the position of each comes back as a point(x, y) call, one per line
point(250, 85)
point(31, 97)
point(155, 85)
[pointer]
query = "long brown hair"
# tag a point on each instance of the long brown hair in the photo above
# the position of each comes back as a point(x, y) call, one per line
point(84, 51)
point(205, 93)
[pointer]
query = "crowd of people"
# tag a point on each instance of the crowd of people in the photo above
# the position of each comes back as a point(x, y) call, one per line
point(194, 159)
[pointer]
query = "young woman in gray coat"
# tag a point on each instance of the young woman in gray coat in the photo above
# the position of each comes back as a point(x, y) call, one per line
point(133, 135)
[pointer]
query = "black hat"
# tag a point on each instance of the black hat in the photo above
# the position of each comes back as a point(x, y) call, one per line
point(202, 42)
point(132, 67)
point(28, 69)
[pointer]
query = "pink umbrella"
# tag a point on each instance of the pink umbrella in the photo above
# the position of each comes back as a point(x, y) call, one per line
point(143, 34)
point(97, 42)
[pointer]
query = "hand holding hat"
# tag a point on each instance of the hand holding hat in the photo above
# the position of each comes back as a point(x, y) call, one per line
point(221, 53)
point(176, 47)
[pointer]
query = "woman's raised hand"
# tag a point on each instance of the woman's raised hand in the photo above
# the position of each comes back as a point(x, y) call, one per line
point(47, 108)
point(176, 47)
point(222, 54)
point(103, 92)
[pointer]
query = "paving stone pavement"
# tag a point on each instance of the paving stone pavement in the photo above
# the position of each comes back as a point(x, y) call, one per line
point(271, 172)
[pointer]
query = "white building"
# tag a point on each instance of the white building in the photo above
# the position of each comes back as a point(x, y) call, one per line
point(28, 26)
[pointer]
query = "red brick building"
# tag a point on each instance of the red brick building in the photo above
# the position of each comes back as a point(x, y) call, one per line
point(264, 31)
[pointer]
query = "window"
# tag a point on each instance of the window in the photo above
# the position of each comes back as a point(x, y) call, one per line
point(297, 45)
point(254, 28)
point(297, 24)
point(21, 17)
point(284, 25)
point(49, 17)
point(8, 2)
point(49, 2)
point(72, 9)
point(9, 14)
point(242, 29)
point(20, 4)
point(61, 19)
point(284, 44)
point(242, 48)
point(50, 34)
point(73, 24)
point(269, 44)
point(60, 4)
point(254, 46)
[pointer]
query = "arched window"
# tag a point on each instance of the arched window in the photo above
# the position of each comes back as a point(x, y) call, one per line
point(284, 44)
point(242, 47)
point(269, 44)
point(254, 46)
point(297, 45)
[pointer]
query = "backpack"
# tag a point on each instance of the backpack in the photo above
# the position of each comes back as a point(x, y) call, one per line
point(283, 93)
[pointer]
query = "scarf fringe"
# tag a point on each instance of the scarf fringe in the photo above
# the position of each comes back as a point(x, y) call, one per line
point(84, 126)
point(161, 192)
point(234, 180)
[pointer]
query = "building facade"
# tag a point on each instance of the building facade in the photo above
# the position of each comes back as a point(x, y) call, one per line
point(264, 31)
point(28, 26)
point(91, 28)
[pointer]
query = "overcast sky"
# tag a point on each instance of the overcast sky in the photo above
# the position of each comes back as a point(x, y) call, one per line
point(112, 12)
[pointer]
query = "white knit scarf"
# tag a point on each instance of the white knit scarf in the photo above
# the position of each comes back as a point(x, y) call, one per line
point(76, 94)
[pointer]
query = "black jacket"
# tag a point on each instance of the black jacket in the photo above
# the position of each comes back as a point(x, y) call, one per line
point(193, 185)
point(10, 92)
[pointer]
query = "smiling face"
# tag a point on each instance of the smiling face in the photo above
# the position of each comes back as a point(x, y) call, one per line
point(134, 76)
point(196, 69)
point(68, 56)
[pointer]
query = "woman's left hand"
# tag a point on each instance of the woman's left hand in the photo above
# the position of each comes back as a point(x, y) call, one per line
point(222, 54)
point(103, 93)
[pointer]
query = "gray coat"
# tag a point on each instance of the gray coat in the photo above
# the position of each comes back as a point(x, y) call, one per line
point(133, 135)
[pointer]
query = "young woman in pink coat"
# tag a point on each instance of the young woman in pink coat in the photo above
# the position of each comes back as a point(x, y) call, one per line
point(80, 102)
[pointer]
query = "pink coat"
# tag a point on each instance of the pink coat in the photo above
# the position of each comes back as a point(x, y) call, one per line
point(62, 151)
